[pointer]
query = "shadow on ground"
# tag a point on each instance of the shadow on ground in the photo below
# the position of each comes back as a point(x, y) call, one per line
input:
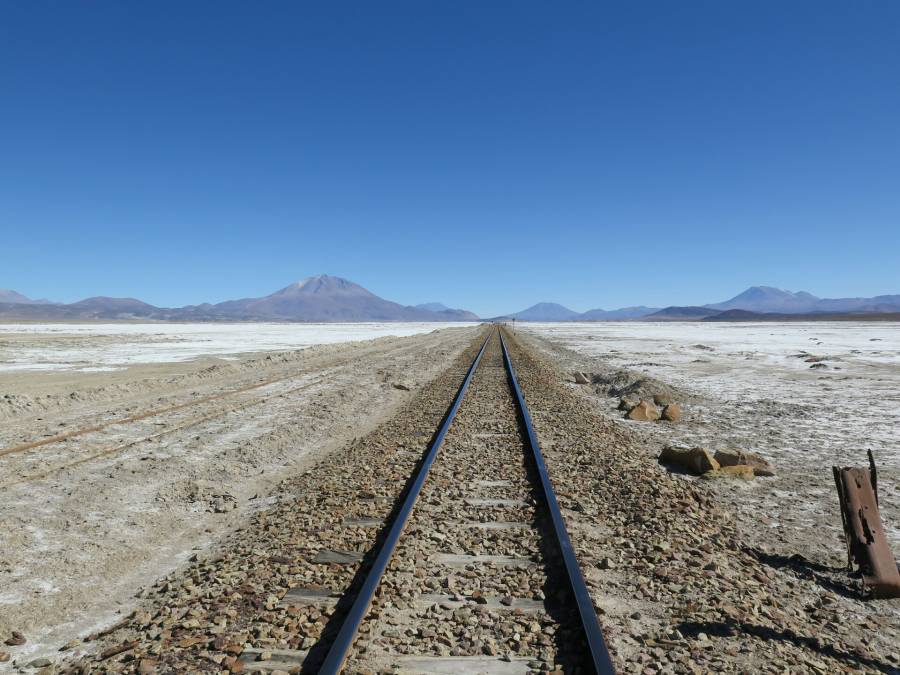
point(830, 578)
point(734, 628)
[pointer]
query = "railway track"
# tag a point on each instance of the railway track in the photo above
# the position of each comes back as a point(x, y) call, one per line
point(478, 580)
point(473, 571)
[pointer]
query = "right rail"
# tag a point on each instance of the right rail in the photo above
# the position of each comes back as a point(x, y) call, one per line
point(599, 652)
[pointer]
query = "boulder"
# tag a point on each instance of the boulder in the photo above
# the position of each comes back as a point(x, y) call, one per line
point(695, 460)
point(627, 404)
point(16, 639)
point(646, 388)
point(581, 378)
point(644, 411)
point(611, 382)
point(672, 413)
point(761, 466)
point(741, 471)
point(632, 384)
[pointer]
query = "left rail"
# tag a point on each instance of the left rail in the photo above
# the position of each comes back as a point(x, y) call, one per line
point(339, 649)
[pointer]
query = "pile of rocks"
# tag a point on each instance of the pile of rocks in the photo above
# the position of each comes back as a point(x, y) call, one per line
point(722, 464)
point(647, 411)
point(642, 398)
point(626, 383)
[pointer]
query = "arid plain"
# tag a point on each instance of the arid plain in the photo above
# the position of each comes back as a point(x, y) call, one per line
point(130, 451)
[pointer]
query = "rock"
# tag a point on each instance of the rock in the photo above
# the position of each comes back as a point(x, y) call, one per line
point(4, 656)
point(41, 662)
point(632, 384)
point(147, 666)
point(627, 404)
point(644, 411)
point(818, 366)
point(479, 598)
point(400, 386)
point(16, 639)
point(742, 471)
point(672, 413)
point(663, 398)
point(695, 460)
point(761, 466)
point(223, 504)
point(611, 381)
point(581, 378)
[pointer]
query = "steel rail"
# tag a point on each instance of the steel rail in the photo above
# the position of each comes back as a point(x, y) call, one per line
point(599, 651)
point(339, 649)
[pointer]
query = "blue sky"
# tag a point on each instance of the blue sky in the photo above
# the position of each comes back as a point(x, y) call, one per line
point(487, 155)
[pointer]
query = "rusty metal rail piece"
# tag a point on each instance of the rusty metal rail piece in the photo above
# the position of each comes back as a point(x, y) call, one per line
point(867, 544)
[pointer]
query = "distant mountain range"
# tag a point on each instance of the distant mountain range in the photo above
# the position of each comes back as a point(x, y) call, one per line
point(326, 298)
point(551, 311)
point(320, 298)
point(759, 301)
point(767, 302)
point(13, 298)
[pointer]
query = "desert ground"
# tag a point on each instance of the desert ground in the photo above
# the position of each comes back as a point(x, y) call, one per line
point(217, 420)
point(145, 468)
point(805, 396)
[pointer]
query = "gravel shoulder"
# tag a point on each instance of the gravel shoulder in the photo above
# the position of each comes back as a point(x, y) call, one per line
point(691, 570)
point(91, 518)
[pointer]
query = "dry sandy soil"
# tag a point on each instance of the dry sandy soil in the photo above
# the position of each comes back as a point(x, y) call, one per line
point(111, 479)
point(752, 387)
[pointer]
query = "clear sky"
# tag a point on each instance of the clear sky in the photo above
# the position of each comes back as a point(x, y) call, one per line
point(487, 155)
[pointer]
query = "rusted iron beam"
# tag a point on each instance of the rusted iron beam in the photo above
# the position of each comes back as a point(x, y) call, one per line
point(867, 545)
